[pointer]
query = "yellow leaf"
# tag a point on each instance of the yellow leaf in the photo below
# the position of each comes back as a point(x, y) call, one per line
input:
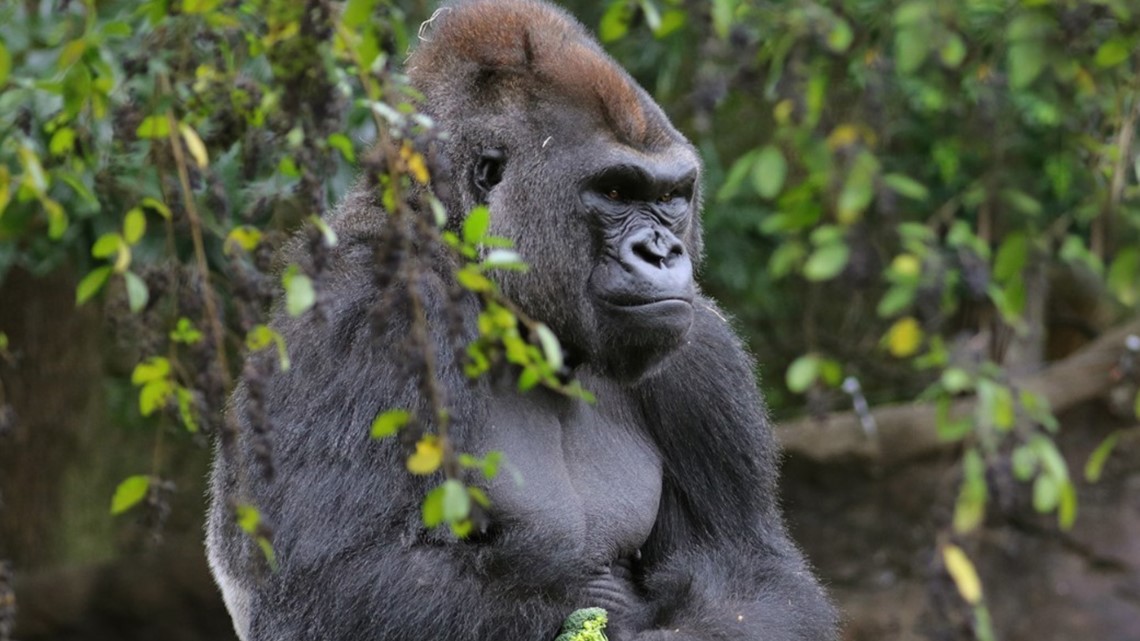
point(842, 136)
point(416, 164)
point(783, 111)
point(904, 337)
point(195, 145)
point(906, 265)
point(961, 569)
point(428, 456)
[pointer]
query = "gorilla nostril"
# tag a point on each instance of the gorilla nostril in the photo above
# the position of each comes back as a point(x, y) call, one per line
point(647, 253)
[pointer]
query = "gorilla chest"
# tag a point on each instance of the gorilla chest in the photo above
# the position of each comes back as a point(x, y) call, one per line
point(581, 483)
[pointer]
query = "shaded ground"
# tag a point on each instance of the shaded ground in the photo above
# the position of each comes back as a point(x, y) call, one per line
point(872, 535)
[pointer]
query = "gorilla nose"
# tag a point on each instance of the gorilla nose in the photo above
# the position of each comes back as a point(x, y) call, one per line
point(655, 248)
point(657, 265)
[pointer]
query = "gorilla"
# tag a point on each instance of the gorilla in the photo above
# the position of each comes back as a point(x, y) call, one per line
point(657, 502)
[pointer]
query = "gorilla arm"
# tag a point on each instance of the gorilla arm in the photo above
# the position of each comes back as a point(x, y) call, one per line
point(719, 563)
point(355, 562)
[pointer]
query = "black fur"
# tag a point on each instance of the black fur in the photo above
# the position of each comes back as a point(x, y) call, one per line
point(658, 503)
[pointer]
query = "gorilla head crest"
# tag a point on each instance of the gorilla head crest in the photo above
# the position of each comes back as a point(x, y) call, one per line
point(579, 166)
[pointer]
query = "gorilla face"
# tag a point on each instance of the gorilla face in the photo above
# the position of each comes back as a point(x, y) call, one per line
point(581, 169)
point(608, 226)
point(640, 285)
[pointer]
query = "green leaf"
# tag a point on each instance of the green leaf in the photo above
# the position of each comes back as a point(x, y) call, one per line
point(246, 237)
point(912, 46)
point(479, 496)
point(1052, 463)
point(152, 369)
point(328, 234)
point(341, 143)
point(184, 332)
point(840, 36)
point(1022, 202)
point(117, 29)
point(186, 409)
point(1011, 257)
point(1026, 61)
point(154, 395)
point(154, 127)
point(157, 205)
point(476, 224)
point(953, 51)
point(956, 380)
point(300, 295)
point(615, 21)
point(432, 508)
point(785, 258)
point(735, 177)
point(5, 64)
point(491, 464)
point(263, 336)
point(389, 423)
point(906, 186)
point(288, 167)
point(970, 508)
point(134, 225)
point(107, 245)
point(137, 293)
point(357, 13)
point(722, 16)
point(1024, 463)
point(248, 518)
point(769, 171)
point(456, 502)
point(471, 279)
point(503, 259)
point(1094, 467)
point(859, 188)
point(671, 20)
point(1046, 493)
point(1112, 52)
point(529, 377)
point(91, 284)
point(62, 141)
point(802, 373)
point(650, 13)
point(1067, 506)
point(72, 52)
point(826, 262)
point(897, 298)
point(551, 348)
point(1124, 276)
point(129, 493)
point(199, 6)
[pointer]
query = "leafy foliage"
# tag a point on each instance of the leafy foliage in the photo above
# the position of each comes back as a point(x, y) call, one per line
point(892, 186)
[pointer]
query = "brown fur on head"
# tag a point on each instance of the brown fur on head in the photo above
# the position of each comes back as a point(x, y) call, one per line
point(528, 45)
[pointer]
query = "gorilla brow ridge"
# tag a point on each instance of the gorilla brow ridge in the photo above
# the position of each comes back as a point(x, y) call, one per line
point(539, 41)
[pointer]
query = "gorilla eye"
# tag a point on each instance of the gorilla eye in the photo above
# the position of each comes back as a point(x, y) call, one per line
point(666, 197)
point(613, 194)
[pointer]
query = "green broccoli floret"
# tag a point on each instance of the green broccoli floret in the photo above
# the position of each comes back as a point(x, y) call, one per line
point(587, 624)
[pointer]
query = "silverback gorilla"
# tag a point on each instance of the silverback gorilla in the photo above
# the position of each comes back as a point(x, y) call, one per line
point(657, 503)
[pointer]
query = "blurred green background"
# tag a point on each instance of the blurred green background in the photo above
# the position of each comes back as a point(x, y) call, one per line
point(924, 216)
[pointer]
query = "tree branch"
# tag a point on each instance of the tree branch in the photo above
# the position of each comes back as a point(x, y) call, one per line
point(908, 430)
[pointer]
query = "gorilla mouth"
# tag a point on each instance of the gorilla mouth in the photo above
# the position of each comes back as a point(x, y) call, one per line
point(641, 304)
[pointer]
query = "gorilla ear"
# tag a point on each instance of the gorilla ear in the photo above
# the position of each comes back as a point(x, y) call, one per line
point(487, 173)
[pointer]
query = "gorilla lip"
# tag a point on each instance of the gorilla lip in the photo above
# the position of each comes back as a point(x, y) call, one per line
point(644, 304)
